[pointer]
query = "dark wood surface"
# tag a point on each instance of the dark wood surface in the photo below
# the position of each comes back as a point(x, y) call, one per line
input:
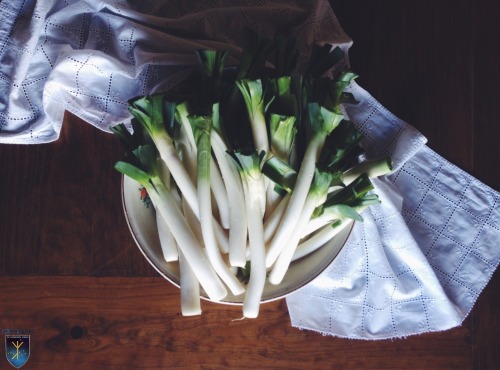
point(71, 273)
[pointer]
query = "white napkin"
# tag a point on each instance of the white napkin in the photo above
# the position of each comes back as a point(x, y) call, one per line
point(416, 264)
point(420, 259)
point(90, 57)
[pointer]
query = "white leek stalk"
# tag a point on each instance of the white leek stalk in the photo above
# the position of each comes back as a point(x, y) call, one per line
point(238, 216)
point(164, 202)
point(252, 181)
point(316, 196)
point(322, 123)
point(202, 127)
point(190, 289)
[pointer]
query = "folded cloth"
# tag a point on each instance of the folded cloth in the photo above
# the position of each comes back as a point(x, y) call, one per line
point(91, 57)
point(418, 261)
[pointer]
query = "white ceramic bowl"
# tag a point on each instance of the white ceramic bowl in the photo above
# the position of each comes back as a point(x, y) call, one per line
point(142, 224)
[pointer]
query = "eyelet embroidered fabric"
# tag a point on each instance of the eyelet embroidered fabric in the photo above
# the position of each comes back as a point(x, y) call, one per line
point(420, 259)
point(416, 264)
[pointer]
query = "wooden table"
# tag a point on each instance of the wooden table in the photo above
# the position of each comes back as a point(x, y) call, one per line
point(71, 273)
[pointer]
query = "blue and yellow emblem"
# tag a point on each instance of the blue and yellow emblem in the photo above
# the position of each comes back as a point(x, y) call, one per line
point(17, 349)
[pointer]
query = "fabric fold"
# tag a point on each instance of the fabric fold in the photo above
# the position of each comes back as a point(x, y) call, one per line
point(379, 286)
point(431, 243)
point(82, 56)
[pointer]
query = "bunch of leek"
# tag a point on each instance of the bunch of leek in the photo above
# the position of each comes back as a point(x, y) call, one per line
point(249, 168)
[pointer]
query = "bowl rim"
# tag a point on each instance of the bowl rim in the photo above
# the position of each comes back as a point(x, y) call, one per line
point(205, 298)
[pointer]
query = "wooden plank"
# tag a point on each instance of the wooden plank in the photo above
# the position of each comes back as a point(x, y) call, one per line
point(132, 323)
point(486, 318)
point(61, 211)
point(417, 59)
point(486, 95)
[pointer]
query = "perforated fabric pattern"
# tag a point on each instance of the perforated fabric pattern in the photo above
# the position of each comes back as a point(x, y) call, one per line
point(421, 258)
point(91, 57)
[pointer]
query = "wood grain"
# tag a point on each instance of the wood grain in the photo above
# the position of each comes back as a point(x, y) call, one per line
point(433, 88)
point(134, 323)
point(486, 159)
point(61, 210)
point(67, 260)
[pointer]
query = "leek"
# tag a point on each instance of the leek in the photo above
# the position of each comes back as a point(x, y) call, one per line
point(202, 127)
point(322, 122)
point(141, 167)
point(260, 166)
point(315, 197)
point(249, 165)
